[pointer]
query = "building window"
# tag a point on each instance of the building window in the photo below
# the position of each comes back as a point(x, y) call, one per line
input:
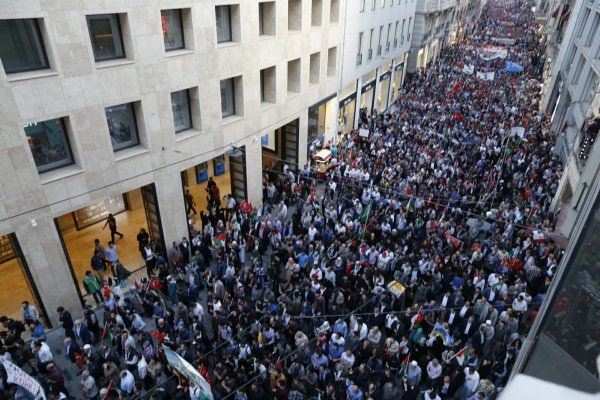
point(227, 98)
point(362, 5)
point(316, 10)
point(172, 29)
point(314, 68)
point(372, 4)
point(331, 61)
point(22, 47)
point(294, 15)
point(182, 113)
point(122, 126)
point(223, 15)
point(334, 11)
point(266, 18)
point(268, 89)
point(293, 76)
point(49, 144)
point(105, 34)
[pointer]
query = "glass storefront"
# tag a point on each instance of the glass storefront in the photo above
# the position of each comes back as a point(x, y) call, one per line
point(397, 81)
point(384, 91)
point(347, 108)
point(566, 345)
point(368, 92)
point(319, 124)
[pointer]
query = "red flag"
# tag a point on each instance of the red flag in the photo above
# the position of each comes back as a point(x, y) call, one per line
point(110, 387)
point(417, 319)
point(204, 372)
point(79, 360)
point(406, 361)
point(158, 335)
point(245, 206)
point(104, 331)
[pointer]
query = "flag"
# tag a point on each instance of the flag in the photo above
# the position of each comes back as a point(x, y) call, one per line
point(204, 372)
point(158, 335)
point(79, 360)
point(460, 356)
point(219, 240)
point(405, 361)
point(16, 375)
point(110, 387)
point(107, 335)
point(246, 207)
point(201, 388)
point(364, 215)
point(417, 318)
point(439, 330)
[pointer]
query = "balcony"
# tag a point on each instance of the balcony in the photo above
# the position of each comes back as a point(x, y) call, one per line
point(379, 50)
point(358, 59)
point(369, 54)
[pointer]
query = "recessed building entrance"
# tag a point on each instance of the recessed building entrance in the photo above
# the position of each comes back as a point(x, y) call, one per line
point(135, 210)
point(16, 284)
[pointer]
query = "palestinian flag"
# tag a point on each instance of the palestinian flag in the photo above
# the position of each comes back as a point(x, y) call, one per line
point(219, 240)
point(417, 318)
point(364, 215)
point(107, 335)
point(405, 363)
point(461, 355)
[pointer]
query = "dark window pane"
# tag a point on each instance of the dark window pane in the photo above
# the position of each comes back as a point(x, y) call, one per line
point(122, 126)
point(172, 29)
point(227, 98)
point(223, 16)
point(21, 46)
point(105, 34)
point(180, 102)
point(49, 144)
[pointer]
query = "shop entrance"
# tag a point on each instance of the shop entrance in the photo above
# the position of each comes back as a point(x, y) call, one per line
point(195, 180)
point(280, 148)
point(320, 119)
point(16, 284)
point(133, 210)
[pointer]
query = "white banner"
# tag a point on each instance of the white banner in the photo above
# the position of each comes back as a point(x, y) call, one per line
point(191, 373)
point(363, 133)
point(492, 52)
point(19, 377)
point(486, 76)
point(468, 69)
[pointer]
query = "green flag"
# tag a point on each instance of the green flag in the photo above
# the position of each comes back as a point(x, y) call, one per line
point(364, 215)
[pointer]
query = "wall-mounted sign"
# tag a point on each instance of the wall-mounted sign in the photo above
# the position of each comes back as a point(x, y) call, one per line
point(89, 215)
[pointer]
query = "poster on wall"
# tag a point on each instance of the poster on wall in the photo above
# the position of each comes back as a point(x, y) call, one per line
point(219, 165)
point(202, 172)
point(97, 212)
point(269, 141)
point(7, 250)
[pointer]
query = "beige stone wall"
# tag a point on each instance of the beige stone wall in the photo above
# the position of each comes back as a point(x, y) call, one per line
point(78, 88)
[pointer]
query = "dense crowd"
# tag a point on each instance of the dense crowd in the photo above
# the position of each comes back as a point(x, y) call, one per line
point(444, 199)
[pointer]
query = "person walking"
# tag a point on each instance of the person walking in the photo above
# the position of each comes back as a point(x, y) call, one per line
point(190, 203)
point(112, 226)
point(66, 321)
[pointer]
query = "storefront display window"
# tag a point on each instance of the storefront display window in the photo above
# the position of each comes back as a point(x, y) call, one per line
point(49, 144)
point(384, 90)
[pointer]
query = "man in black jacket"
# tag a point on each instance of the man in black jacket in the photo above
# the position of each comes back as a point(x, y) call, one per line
point(66, 322)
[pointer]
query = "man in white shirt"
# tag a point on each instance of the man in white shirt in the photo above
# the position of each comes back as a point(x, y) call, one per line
point(434, 371)
point(43, 352)
point(347, 359)
point(471, 381)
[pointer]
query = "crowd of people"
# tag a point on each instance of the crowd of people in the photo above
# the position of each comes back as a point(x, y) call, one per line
point(412, 272)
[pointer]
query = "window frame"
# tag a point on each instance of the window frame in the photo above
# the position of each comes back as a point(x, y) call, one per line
point(38, 31)
point(131, 107)
point(181, 27)
point(232, 89)
point(120, 32)
point(67, 143)
point(230, 30)
point(189, 110)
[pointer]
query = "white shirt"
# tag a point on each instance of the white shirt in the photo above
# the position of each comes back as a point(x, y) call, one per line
point(45, 354)
point(471, 380)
